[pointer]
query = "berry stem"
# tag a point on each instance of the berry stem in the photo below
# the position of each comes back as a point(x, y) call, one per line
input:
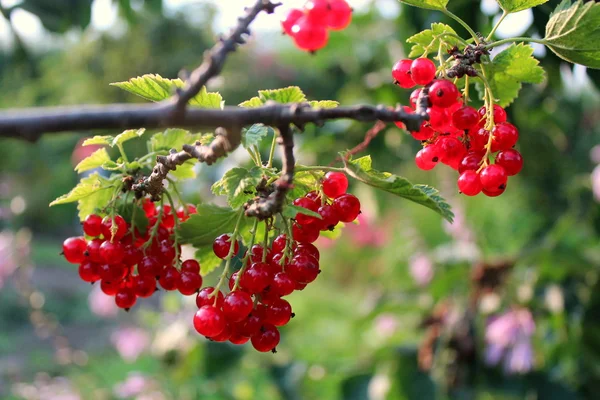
point(466, 90)
point(515, 39)
point(489, 103)
point(176, 219)
point(178, 195)
point(232, 242)
point(265, 242)
point(288, 243)
point(272, 151)
point(301, 168)
point(123, 154)
point(504, 15)
point(248, 253)
point(155, 227)
point(463, 23)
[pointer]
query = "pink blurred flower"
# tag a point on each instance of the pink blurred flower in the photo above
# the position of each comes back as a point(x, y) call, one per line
point(420, 267)
point(134, 385)
point(130, 342)
point(596, 183)
point(508, 336)
point(8, 262)
point(519, 358)
point(102, 304)
point(369, 233)
point(386, 324)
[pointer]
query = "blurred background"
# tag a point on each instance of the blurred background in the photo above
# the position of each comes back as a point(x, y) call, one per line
point(502, 304)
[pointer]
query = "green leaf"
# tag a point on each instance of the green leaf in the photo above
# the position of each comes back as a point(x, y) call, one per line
point(255, 134)
point(324, 104)
point(573, 32)
point(291, 94)
point(290, 211)
point(156, 88)
point(430, 39)
point(111, 166)
point(513, 6)
point(175, 139)
point(304, 182)
point(107, 140)
point(86, 187)
point(252, 103)
point(202, 228)
point(207, 259)
point(185, 170)
point(104, 140)
point(427, 4)
point(425, 195)
point(238, 185)
point(508, 70)
point(94, 160)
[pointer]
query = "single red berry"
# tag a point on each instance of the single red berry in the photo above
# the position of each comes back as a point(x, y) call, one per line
point(204, 299)
point(251, 324)
point(112, 252)
point(401, 74)
point(499, 114)
point(169, 278)
point(492, 193)
point(300, 286)
point(335, 184)
point(504, 136)
point(422, 71)
point(256, 253)
point(189, 283)
point(93, 250)
point(304, 269)
point(183, 216)
point(125, 298)
point(149, 266)
point(92, 225)
point(425, 132)
point(465, 118)
point(469, 183)
point(237, 305)
point(428, 157)
point(74, 249)
point(309, 204)
point(511, 160)
point(282, 284)
point(190, 265)
point(329, 217)
point(347, 207)
point(290, 18)
point(308, 35)
point(222, 245)
point(478, 139)
point(307, 249)
point(109, 288)
point(120, 228)
point(149, 208)
point(278, 312)
point(317, 11)
point(452, 151)
point(443, 93)
point(256, 278)
point(314, 196)
point(144, 286)
point(279, 244)
point(414, 96)
point(469, 162)
point(223, 336)
point(266, 339)
point(237, 338)
point(493, 178)
point(209, 321)
point(88, 272)
point(305, 234)
point(276, 265)
point(133, 255)
point(112, 272)
point(340, 15)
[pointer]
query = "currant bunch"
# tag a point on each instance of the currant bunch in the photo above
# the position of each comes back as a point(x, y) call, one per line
point(129, 263)
point(310, 26)
point(255, 307)
point(459, 135)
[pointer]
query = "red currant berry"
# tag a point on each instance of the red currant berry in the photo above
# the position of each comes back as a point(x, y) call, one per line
point(443, 93)
point(74, 249)
point(499, 114)
point(237, 338)
point(340, 15)
point(92, 225)
point(505, 136)
point(93, 250)
point(511, 160)
point(304, 219)
point(347, 207)
point(335, 184)
point(133, 255)
point(300, 286)
point(223, 336)
point(492, 193)
point(317, 11)
point(290, 19)
point(112, 272)
point(305, 234)
point(237, 305)
point(149, 266)
point(469, 183)
point(478, 139)
point(169, 278)
point(304, 269)
point(422, 71)
point(120, 226)
point(222, 245)
point(125, 298)
point(329, 217)
point(190, 265)
point(307, 249)
point(256, 278)
point(250, 325)
point(314, 196)
point(282, 284)
point(109, 288)
point(278, 313)
point(204, 299)
point(209, 321)
point(469, 162)
point(112, 252)
point(256, 253)
point(279, 244)
point(189, 283)
point(308, 35)
point(88, 272)
point(493, 178)
point(428, 157)
point(424, 133)
point(414, 96)
point(452, 151)
point(144, 286)
point(149, 208)
point(266, 339)
point(465, 118)
point(401, 74)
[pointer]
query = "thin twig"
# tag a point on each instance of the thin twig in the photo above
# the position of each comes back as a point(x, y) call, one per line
point(370, 135)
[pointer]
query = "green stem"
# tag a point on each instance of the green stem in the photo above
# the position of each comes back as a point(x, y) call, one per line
point(248, 254)
point(515, 39)
point(122, 151)
point(272, 151)
point(466, 90)
point(175, 240)
point(301, 168)
point(155, 227)
point(178, 195)
point(149, 155)
point(463, 23)
point(288, 243)
point(504, 15)
point(265, 243)
point(258, 158)
point(232, 241)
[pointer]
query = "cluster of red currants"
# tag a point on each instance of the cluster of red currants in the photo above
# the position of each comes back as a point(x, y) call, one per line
point(309, 27)
point(457, 134)
point(128, 266)
point(254, 308)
